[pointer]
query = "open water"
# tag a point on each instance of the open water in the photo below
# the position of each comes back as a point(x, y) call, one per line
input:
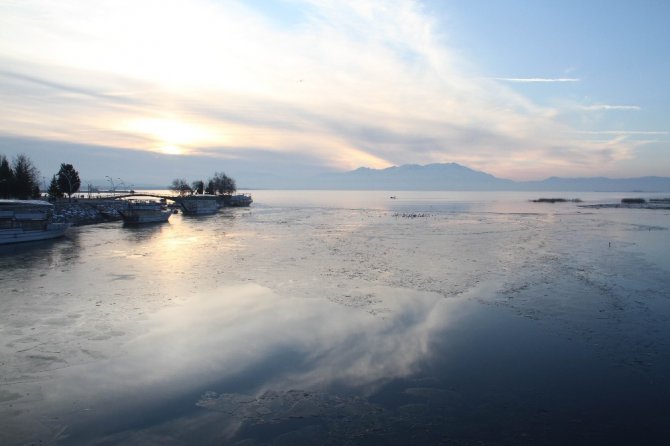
point(344, 318)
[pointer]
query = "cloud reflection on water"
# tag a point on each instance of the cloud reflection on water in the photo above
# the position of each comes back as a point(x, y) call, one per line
point(270, 341)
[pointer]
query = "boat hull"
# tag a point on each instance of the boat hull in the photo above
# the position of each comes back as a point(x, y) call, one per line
point(242, 200)
point(144, 212)
point(147, 217)
point(18, 235)
point(199, 205)
point(28, 221)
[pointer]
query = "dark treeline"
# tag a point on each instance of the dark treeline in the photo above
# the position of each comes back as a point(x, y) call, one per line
point(219, 184)
point(20, 179)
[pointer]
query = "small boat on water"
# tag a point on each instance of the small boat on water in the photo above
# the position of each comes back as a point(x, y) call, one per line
point(240, 200)
point(28, 221)
point(145, 211)
point(199, 204)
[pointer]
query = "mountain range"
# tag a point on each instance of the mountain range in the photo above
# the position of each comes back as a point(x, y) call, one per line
point(453, 176)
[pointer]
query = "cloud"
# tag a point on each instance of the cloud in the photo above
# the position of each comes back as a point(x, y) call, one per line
point(50, 85)
point(348, 83)
point(537, 79)
point(624, 132)
point(606, 107)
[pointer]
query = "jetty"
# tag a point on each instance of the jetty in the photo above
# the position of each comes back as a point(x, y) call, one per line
point(196, 203)
point(98, 209)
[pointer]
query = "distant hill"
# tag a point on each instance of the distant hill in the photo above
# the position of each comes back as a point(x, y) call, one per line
point(450, 176)
point(453, 176)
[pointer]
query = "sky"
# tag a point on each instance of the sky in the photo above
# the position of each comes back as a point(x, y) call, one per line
point(150, 90)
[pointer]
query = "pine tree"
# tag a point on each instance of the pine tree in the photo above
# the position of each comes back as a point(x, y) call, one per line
point(25, 184)
point(68, 180)
point(54, 190)
point(6, 178)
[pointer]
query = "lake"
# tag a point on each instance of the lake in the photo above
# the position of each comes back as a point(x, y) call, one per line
point(344, 317)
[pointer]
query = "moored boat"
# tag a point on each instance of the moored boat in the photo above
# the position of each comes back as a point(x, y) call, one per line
point(28, 221)
point(199, 204)
point(240, 200)
point(145, 211)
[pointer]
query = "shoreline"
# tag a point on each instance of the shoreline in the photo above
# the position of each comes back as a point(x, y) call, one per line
point(90, 211)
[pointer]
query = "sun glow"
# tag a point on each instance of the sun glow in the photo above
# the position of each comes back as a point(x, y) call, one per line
point(172, 137)
point(171, 150)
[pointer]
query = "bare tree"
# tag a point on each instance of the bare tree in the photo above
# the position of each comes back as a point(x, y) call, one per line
point(181, 187)
point(221, 184)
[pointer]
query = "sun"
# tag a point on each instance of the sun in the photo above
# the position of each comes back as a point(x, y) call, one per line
point(170, 136)
point(171, 150)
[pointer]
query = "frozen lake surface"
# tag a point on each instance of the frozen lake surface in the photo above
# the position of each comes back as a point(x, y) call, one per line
point(344, 318)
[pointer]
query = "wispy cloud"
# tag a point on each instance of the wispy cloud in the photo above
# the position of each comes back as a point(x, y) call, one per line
point(605, 107)
point(624, 132)
point(537, 79)
point(350, 84)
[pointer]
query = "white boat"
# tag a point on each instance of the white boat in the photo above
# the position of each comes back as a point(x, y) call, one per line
point(28, 221)
point(140, 212)
point(199, 204)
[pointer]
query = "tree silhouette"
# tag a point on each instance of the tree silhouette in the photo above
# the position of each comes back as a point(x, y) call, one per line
point(180, 186)
point(6, 178)
point(198, 187)
point(221, 184)
point(25, 184)
point(68, 180)
point(54, 190)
